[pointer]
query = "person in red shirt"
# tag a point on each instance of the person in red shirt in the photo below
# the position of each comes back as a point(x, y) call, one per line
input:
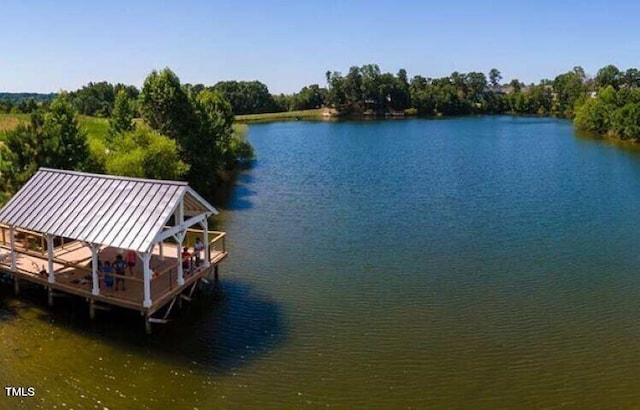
point(131, 261)
point(186, 259)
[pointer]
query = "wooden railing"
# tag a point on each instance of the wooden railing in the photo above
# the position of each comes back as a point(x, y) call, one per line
point(218, 243)
point(29, 239)
point(217, 240)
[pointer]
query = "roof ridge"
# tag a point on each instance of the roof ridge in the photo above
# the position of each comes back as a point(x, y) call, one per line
point(117, 177)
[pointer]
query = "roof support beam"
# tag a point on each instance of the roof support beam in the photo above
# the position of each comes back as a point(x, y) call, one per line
point(179, 228)
point(180, 212)
point(52, 277)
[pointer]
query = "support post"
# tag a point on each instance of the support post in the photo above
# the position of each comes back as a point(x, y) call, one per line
point(12, 241)
point(147, 324)
point(52, 277)
point(205, 240)
point(92, 309)
point(146, 257)
point(180, 280)
point(16, 285)
point(95, 248)
point(179, 217)
point(215, 272)
point(50, 296)
point(161, 249)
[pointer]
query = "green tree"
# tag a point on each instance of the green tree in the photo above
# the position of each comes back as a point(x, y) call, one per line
point(631, 78)
point(494, 78)
point(592, 116)
point(144, 153)
point(94, 99)
point(309, 97)
point(608, 76)
point(122, 116)
point(247, 97)
point(51, 140)
point(165, 106)
point(625, 122)
point(199, 123)
point(568, 88)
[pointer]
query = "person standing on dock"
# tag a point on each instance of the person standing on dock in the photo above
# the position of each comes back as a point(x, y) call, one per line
point(197, 251)
point(107, 270)
point(119, 266)
point(131, 261)
point(186, 260)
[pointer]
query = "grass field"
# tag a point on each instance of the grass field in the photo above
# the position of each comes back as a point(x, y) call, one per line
point(289, 115)
point(10, 121)
point(94, 126)
point(98, 128)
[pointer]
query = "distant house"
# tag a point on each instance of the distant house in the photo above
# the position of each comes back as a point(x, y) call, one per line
point(491, 89)
point(507, 89)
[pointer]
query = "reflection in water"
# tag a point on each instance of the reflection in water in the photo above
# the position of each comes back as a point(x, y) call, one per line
point(226, 324)
point(235, 194)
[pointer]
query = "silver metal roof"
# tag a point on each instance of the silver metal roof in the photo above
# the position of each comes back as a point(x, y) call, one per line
point(109, 210)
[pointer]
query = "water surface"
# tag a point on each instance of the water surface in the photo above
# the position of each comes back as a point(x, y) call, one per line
point(476, 262)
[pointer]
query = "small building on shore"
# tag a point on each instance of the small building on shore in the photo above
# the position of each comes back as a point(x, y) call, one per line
point(61, 228)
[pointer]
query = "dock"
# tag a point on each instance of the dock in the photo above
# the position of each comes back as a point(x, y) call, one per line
point(62, 226)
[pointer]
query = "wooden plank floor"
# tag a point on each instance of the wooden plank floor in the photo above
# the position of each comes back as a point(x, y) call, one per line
point(77, 279)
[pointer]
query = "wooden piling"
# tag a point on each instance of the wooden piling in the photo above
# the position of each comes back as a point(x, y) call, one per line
point(92, 309)
point(147, 324)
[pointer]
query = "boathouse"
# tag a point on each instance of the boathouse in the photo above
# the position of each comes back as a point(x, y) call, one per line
point(61, 226)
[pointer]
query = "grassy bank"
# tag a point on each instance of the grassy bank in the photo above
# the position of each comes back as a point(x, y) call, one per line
point(240, 130)
point(276, 116)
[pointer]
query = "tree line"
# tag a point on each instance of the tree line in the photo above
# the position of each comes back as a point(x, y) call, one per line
point(368, 90)
point(182, 134)
point(607, 103)
point(615, 109)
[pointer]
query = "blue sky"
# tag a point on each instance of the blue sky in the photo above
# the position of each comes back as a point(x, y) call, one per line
point(52, 45)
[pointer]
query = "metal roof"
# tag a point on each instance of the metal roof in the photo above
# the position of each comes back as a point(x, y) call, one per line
point(109, 210)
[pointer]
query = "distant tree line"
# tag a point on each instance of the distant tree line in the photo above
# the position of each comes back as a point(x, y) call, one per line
point(182, 134)
point(17, 97)
point(23, 103)
point(98, 99)
point(615, 109)
point(24, 106)
point(605, 103)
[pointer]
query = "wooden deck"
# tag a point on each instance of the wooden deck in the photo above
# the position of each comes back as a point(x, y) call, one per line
point(72, 267)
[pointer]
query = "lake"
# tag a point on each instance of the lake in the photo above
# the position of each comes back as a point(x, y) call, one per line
point(477, 262)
